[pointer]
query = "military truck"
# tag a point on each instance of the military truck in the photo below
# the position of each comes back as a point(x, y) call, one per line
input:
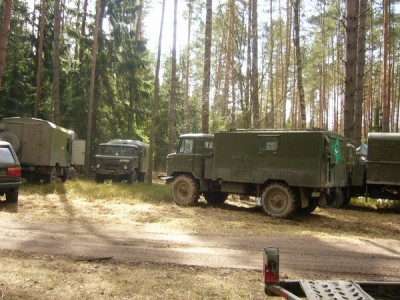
point(377, 175)
point(43, 148)
point(290, 171)
point(120, 160)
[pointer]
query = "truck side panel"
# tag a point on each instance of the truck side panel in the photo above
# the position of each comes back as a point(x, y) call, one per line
point(383, 161)
point(298, 158)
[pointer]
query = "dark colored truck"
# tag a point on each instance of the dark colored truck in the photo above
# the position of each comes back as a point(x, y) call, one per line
point(290, 171)
point(46, 152)
point(121, 159)
point(377, 175)
point(10, 173)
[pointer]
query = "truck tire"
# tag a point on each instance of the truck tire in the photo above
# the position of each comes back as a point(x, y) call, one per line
point(185, 190)
point(279, 200)
point(133, 177)
point(12, 197)
point(335, 199)
point(216, 198)
point(98, 178)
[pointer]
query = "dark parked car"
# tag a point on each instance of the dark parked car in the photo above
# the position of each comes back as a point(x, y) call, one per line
point(10, 173)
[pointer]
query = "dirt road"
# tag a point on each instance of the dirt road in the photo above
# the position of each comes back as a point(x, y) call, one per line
point(300, 255)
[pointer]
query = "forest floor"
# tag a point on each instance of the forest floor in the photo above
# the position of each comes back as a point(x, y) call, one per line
point(68, 245)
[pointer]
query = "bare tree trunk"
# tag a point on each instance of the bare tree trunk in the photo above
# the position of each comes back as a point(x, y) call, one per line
point(172, 99)
point(385, 71)
point(358, 105)
point(299, 64)
point(254, 68)
point(270, 115)
point(287, 61)
point(40, 59)
point(186, 102)
point(55, 94)
point(207, 70)
point(91, 90)
point(156, 100)
point(4, 31)
point(351, 67)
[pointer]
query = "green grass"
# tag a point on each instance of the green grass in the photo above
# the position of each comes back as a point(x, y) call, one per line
point(140, 192)
point(376, 204)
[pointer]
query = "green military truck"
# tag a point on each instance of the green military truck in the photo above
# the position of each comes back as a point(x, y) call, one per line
point(120, 160)
point(377, 175)
point(290, 171)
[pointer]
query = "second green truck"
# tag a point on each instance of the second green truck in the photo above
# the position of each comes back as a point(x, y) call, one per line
point(290, 171)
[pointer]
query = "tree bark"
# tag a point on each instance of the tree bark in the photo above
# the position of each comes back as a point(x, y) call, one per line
point(55, 94)
point(156, 100)
point(91, 90)
point(40, 59)
point(351, 66)
point(358, 105)
point(4, 32)
point(385, 71)
point(186, 101)
point(299, 64)
point(205, 107)
point(172, 99)
point(254, 68)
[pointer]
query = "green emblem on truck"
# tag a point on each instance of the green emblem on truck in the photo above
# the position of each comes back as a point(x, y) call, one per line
point(336, 150)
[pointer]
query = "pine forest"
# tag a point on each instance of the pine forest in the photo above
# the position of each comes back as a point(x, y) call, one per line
point(216, 65)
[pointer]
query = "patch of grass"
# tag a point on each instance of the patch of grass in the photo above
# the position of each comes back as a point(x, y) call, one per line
point(380, 205)
point(90, 191)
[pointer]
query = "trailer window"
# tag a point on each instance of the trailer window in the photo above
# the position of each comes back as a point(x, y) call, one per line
point(186, 146)
point(268, 143)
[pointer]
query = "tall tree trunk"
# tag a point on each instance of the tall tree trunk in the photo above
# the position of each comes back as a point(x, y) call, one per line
point(91, 90)
point(139, 22)
point(287, 61)
point(205, 107)
point(172, 99)
point(254, 68)
point(188, 48)
point(299, 64)
point(270, 115)
point(351, 66)
point(4, 32)
point(358, 105)
point(40, 59)
point(156, 100)
point(55, 94)
point(82, 36)
point(386, 71)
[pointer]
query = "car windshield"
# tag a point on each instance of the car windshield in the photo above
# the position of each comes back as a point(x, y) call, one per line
point(116, 150)
point(6, 156)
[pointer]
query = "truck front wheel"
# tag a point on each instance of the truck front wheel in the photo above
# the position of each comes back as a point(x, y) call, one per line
point(279, 200)
point(185, 191)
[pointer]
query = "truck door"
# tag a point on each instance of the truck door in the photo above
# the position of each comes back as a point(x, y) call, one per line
point(184, 158)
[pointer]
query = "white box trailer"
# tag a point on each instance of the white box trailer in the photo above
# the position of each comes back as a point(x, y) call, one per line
point(44, 149)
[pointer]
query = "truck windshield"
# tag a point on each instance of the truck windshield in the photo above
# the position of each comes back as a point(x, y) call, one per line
point(116, 150)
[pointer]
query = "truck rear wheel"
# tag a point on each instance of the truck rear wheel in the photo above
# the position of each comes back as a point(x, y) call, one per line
point(279, 200)
point(185, 191)
point(52, 175)
point(335, 199)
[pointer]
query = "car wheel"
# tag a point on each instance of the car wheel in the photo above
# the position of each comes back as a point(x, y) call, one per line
point(12, 197)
